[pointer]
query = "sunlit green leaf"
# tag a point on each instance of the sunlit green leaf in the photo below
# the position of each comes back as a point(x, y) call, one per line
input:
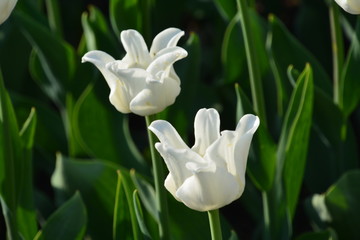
point(294, 141)
point(279, 38)
point(350, 83)
point(147, 194)
point(124, 212)
point(140, 216)
point(10, 162)
point(26, 214)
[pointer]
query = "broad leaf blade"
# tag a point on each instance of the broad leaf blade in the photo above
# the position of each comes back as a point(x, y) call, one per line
point(279, 38)
point(96, 182)
point(67, 222)
point(26, 214)
point(103, 132)
point(57, 59)
point(292, 150)
point(10, 162)
point(350, 84)
point(342, 201)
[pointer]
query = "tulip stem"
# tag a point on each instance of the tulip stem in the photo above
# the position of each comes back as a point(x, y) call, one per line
point(215, 226)
point(252, 63)
point(337, 45)
point(161, 201)
point(266, 212)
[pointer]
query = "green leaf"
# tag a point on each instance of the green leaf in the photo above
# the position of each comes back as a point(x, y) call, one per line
point(27, 132)
point(10, 162)
point(262, 158)
point(113, 142)
point(233, 235)
point(342, 201)
point(232, 52)
point(58, 59)
point(323, 235)
point(67, 222)
point(26, 212)
point(227, 8)
point(124, 220)
point(147, 194)
point(350, 85)
point(140, 215)
point(279, 38)
point(294, 140)
point(97, 33)
point(96, 181)
point(125, 14)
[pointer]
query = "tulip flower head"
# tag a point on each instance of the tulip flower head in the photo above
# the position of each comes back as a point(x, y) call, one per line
point(351, 6)
point(211, 174)
point(143, 82)
point(6, 7)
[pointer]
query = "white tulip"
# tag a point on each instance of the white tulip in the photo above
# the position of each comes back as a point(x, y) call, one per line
point(351, 6)
point(211, 174)
point(142, 82)
point(6, 7)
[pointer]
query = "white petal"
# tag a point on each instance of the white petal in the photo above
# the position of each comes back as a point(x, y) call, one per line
point(247, 124)
point(206, 191)
point(171, 186)
point(350, 6)
point(143, 105)
point(167, 38)
point(176, 161)
point(160, 66)
point(133, 79)
point(167, 134)
point(244, 131)
point(100, 60)
point(221, 151)
point(207, 129)
point(135, 47)
point(120, 98)
point(6, 7)
point(155, 97)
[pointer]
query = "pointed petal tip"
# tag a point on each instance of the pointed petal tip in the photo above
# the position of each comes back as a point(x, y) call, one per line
point(251, 121)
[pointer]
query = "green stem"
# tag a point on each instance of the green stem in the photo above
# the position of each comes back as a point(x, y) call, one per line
point(254, 73)
point(337, 50)
point(215, 226)
point(266, 213)
point(54, 18)
point(161, 200)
